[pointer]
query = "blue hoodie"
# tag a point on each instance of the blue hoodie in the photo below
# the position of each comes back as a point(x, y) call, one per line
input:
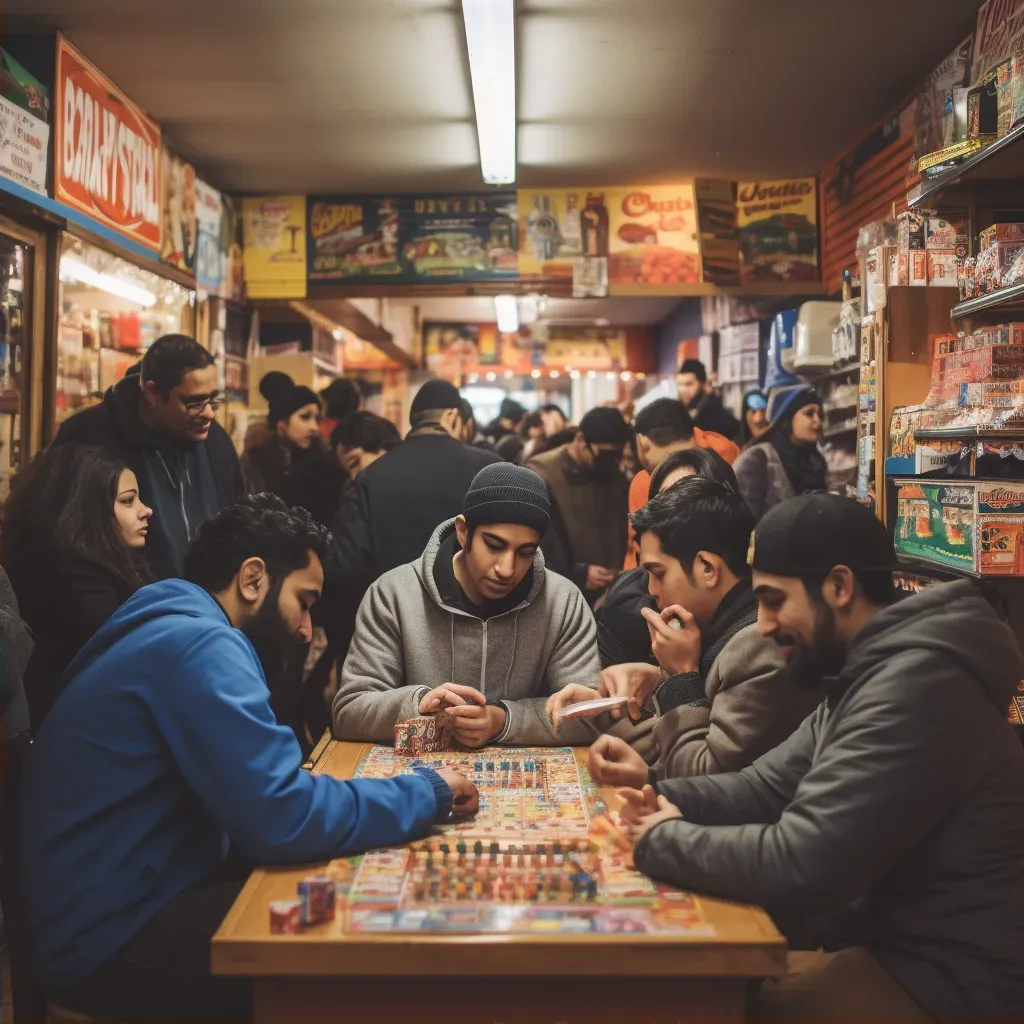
point(162, 750)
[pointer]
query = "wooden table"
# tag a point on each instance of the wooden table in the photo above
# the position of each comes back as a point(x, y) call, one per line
point(324, 975)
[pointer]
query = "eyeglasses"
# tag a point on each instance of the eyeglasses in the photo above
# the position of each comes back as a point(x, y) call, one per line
point(195, 406)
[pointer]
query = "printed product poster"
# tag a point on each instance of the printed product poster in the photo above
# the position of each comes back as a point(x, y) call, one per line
point(652, 236)
point(461, 238)
point(93, 119)
point(232, 277)
point(716, 226)
point(934, 111)
point(588, 348)
point(1000, 34)
point(24, 125)
point(209, 213)
point(551, 230)
point(453, 350)
point(778, 229)
point(275, 246)
point(178, 237)
point(353, 237)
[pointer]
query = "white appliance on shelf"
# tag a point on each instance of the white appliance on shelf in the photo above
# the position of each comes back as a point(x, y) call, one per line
point(812, 338)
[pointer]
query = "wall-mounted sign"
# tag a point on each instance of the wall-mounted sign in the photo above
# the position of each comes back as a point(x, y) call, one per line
point(413, 238)
point(106, 151)
point(778, 229)
point(24, 125)
point(275, 246)
point(209, 265)
point(178, 238)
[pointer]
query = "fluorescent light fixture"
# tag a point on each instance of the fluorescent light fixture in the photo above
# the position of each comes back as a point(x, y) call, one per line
point(491, 40)
point(73, 270)
point(507, 313)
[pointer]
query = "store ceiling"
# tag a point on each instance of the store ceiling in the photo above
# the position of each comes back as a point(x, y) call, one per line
point(368, 95)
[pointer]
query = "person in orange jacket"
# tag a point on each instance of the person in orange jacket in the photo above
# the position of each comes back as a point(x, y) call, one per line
point(664, 427)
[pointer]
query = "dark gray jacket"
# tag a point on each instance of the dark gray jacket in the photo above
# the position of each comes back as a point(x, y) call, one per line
point(899, 802)
point(15, 650)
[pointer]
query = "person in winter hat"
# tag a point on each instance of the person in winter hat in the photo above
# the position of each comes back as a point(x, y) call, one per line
point(477, 627)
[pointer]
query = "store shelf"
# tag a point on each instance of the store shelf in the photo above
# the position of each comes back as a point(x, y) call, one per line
point(1002, 160)
point(969, 434)
point(844, 371)
point(839, 407)
point(839, 431)
point(999, 299)
point(941, 569)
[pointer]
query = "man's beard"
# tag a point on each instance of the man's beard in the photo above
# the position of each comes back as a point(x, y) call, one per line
point(281, 650)
point(812, 665)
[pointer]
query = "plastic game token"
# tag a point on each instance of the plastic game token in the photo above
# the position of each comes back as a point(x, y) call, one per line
point(586, 706)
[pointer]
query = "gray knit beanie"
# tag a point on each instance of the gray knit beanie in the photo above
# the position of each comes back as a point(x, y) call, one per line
point(505, 493)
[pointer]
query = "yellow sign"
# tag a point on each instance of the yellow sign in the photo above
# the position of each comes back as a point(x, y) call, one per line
point(777, 222)
point(274, 254)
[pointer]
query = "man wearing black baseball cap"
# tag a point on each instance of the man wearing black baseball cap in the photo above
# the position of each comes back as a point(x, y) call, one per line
point(895, 813)
point(477, 627)
point(590, 497)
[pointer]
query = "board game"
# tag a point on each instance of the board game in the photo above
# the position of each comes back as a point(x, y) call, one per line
point(542, 856)
point(523, 792)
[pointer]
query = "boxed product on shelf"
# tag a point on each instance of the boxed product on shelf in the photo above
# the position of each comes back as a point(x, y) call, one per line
point(942, 267)
point(1000, 234)
point(1017, 105)
point(908, 455)
point(976, 526)
point(1004, 97)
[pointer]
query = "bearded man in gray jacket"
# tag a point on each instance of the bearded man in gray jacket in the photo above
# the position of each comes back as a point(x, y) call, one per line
point(895, 813)
point(477, 627)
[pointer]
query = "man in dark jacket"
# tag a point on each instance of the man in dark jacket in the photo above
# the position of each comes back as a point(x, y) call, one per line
point(896, 809)
point(721, 694)
point(590, 498)
point(705, 407)
point(160, 423)
point(510, 415)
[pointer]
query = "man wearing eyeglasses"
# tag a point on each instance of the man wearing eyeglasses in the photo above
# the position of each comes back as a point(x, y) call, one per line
point(160, 422)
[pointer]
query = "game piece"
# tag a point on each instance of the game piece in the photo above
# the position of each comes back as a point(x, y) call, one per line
point(425, 734)
point(587, 707)
point(285, 917)
point(316, 899)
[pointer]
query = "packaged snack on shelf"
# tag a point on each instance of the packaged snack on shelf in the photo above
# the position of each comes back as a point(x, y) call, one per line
point(942, 267)
point(940, 234)
point(985, 270)
point(1015, 274)
point(1018, 89)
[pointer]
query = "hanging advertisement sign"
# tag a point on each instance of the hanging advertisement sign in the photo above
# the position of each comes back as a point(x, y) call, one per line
point(275, 246)
point(232, 276)
point(106, 151)
point(551, 230)
point(24, 125)
point(652, 236)
point(460, 238)
point(457, 237)
point(178, 237)
point(778, 229)
point(209, 213)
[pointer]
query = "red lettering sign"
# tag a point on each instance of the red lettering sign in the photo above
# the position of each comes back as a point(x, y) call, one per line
point(106, 151)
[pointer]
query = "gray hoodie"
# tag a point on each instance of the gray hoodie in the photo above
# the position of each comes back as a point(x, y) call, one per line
point(897, 807)
point(407, 641)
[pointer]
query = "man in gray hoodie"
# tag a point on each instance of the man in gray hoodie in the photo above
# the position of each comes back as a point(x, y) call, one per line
point(477, 627)
point(895, 813)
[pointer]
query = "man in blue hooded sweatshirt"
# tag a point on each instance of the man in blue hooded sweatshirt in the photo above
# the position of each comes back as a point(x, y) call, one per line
point(162, 754)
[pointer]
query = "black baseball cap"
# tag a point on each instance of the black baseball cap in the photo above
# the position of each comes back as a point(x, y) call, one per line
point(808, 536)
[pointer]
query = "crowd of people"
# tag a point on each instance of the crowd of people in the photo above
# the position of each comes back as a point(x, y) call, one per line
point(790, 735)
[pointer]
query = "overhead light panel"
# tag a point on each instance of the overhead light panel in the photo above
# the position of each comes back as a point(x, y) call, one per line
point(507, 313)
point(74, 270)
point(491, 40)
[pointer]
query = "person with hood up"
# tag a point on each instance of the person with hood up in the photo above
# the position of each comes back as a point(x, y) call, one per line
point(704, 405)
point(895, 814)
point(590, 498)
point(160, 423)
point(293, 462)
point(786, 462)
point(477, 627)
point(162, 760)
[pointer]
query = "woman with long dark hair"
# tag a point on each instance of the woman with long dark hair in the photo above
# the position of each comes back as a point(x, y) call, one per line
point(293, 462)
point(73, 535)
point(786, 462)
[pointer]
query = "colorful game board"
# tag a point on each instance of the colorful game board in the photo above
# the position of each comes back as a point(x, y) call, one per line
point(542, 857)
point(524, 792)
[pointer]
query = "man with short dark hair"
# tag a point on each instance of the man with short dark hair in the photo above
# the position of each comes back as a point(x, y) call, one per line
point(720, 692)
point(162, 755)
point(704, 405)
point(360, 439)
point(590, 497)
point(160, 423)
point(664, 427)
point(477, 627)
point(895, 813)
